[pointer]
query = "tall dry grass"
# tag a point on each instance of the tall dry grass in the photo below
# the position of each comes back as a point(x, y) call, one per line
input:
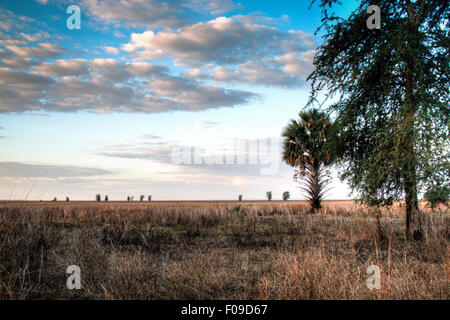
point(245, 251)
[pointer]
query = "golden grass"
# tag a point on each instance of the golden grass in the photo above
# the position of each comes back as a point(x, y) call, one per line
point(217, 250)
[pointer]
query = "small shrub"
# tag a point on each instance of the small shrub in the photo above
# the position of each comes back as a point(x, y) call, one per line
point(235, 210)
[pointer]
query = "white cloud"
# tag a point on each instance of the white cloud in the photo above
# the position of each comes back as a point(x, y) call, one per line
point(12, 22)
point(118, 34)
point(41, 51)
point(195, 96)
point(148, 13)
point(287, 71)
point(221, 41)
point(107, 85)
point(196, 73)
point(39, 36)
point(111, 50)
point(61, 68)
point(19, 63)
point(110, 69)
point(155, 13)
point(223, 50)
point(232, 50)
point(12, 42)
point(212, 6)
point(22, 90)
point(145, 69)
point(5, 25)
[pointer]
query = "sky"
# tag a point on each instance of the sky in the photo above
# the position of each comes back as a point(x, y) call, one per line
point(181, 100)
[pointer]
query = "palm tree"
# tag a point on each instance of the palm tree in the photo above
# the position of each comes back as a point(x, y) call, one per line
point(305, 148)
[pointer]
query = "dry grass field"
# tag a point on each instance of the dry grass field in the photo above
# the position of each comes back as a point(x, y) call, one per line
point(218, 250)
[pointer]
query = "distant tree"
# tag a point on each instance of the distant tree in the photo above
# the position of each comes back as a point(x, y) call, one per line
point(54, 199)
point(106, 198)
point(149, 198)
point(438, 195)
point(128, 198)
point(98, 197)
point(67, 199)
point(142, 198)
point(286, 195)
point(269, 195)
point(391, 100)
point(240, 197)
point(305, 147)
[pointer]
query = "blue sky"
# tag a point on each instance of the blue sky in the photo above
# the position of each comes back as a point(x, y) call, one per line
point(104, 109)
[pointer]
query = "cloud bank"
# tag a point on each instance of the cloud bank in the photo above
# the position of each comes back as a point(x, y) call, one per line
point(26, 170)
point(205, 63)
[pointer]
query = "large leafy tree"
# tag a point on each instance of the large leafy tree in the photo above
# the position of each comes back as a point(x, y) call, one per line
point(305, 148)
point(390, 93)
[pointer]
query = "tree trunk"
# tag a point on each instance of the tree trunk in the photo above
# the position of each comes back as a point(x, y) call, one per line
point(380, 234)
point(412, 206)
point(316, 201)
point(409, 157)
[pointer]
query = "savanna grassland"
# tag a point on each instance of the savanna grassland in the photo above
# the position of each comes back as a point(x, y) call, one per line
point(218, 250)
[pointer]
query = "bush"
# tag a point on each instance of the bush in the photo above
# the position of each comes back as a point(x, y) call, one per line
point(235, 210)
point(269, 195)
point(286, 195)
point(98, 198)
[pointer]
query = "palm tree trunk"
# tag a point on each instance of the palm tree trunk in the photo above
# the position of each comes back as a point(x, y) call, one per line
point(315, 187)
